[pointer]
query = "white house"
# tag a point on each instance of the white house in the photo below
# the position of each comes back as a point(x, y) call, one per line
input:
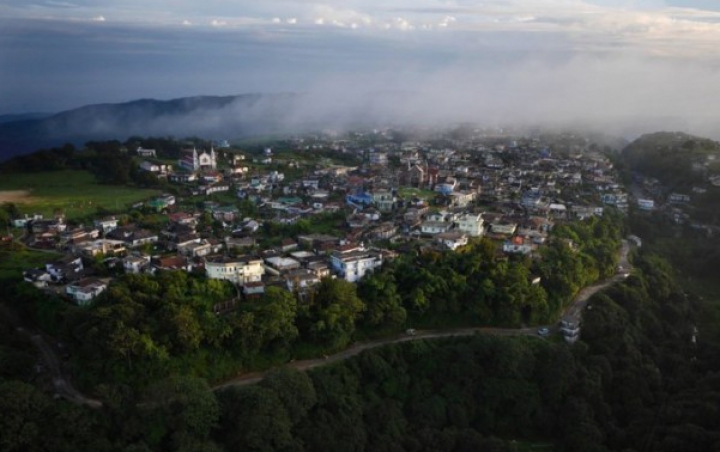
point(146, 152)
point(435, 227)
point(135, 264)
point(646, 204)
point(503, 228)
point(85, 290)
point(107, 224)
point(240, 270)
point(452, 240)
point(353, 265)
point(471, 224)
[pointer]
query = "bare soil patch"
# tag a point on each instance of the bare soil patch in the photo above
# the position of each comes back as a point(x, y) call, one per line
point(15, 196)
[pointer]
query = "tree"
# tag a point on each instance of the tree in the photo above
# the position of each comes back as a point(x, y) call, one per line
point(179, 409)
point(254, 419)
point(332, 312)
point(294, 389)
point(24, 414)
point(276, 317)
point(382, 301)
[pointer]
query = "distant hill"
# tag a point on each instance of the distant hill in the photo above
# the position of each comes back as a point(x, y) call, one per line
point(210, 117)
point(677, 159)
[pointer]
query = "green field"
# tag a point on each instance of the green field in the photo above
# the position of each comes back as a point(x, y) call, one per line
point(75, 193)
point(14, 261)
point(409, 192)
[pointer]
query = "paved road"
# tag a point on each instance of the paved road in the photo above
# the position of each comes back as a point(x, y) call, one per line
point(572, 313)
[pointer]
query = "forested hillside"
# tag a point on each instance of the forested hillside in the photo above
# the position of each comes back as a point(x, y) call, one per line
point(636, 381)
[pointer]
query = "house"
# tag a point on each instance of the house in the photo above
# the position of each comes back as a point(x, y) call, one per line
point(253, 288)
point(383, 231)
point(319, 266)
point(171, 263)
point(503, 228)
point(452, 240)
point(678, 198)
point(135, 264)
point(68, 269)
point(106, 225)
point(239, 242)
point(435, 227)
point(301, 279)
point(39, 278)
point(279, 264)
point(384, 200)
point(225, 213)
point(146, 153)
point(100, 247)
point(288, 245)
point(183, 177)
point(461, 198)
point(132, 236)
point(196, 248)
point(217, 188)
point(240, 270)
point(471, 224)
point(518, 245)
point(85, 290)
point(353, 265)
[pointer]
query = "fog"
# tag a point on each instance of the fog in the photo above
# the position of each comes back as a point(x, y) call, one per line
point(622, 96)
point(539, 72)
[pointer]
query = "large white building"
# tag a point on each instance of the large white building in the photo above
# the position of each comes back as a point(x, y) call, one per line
point(354, 264)
point(471, 224)
point(239, 270)
point(191, 160)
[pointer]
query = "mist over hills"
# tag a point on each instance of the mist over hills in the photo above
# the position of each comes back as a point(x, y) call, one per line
point(212, 117)
point(247, 115)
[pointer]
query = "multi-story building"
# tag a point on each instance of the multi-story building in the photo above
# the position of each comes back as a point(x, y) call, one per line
point(239, 270)
point(471, 224)
point(354, 264)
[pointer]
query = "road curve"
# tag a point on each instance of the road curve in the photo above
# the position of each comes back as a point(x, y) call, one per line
point(572, 313)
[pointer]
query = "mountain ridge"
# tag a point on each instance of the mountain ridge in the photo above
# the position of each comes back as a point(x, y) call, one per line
point(212, 116)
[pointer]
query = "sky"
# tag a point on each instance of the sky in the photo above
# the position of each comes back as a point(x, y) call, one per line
point(647, 62)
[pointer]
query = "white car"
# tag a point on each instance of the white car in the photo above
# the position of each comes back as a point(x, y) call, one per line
point(543, 332)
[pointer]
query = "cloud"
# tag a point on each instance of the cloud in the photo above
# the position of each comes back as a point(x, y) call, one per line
point(99, 19)
point(186, 22)
point(292, 21)
point(218, 23)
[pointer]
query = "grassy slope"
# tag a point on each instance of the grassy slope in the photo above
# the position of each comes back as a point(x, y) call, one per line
point(74, 192)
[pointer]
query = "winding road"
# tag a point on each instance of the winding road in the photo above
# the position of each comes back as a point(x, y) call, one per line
point(572, 314)
point(64, 388)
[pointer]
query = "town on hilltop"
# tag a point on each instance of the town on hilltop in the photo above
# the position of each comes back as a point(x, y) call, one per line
point(276, 218)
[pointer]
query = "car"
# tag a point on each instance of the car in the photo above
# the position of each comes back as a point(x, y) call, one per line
point(543, 332)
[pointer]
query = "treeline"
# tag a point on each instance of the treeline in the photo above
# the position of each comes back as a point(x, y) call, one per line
point(669, 157)
point(145, 328)
point(636, 381)
point(110, 161)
